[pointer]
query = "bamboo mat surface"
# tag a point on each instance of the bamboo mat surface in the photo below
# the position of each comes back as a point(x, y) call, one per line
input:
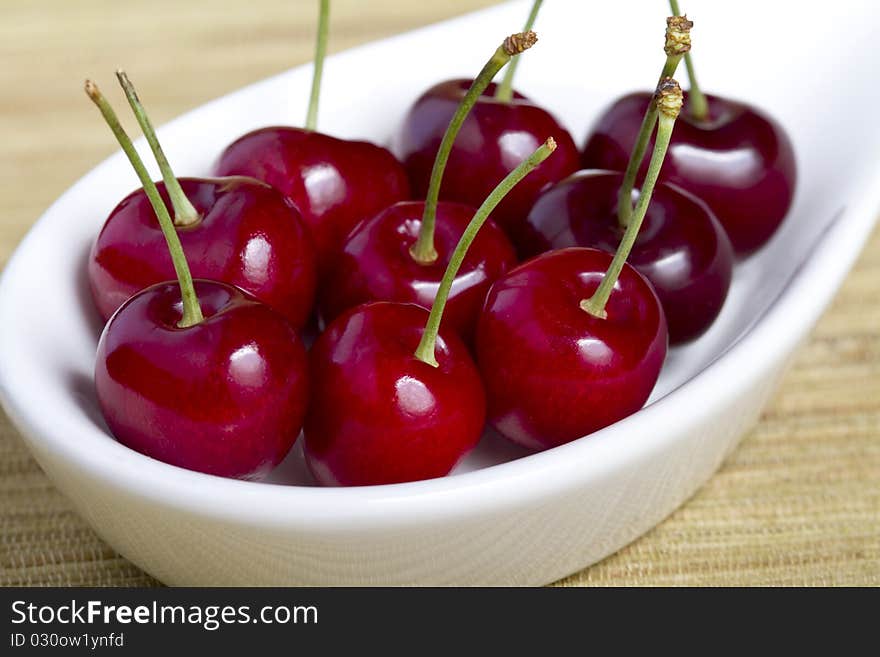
point(798, 503)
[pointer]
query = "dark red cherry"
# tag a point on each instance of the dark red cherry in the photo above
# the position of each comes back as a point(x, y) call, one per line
point(495, 137)
point(226, 396)
point(378, 414)
point(739, 161)
point(376, 264)
point(335, 183)
point(249, 235)
point(681, 248)
point(554, 372)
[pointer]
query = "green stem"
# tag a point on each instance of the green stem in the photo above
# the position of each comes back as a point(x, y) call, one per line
point(698, 106)
point(668, 100)
point(318, 69)
point(423, 250)
point(504, 91)
point(678, 43)
point(184, 212)
point(624, 196)
point(425, 350)
point(192, 313)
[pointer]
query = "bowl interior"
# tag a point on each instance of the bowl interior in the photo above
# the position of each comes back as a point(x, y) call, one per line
point(826, 103)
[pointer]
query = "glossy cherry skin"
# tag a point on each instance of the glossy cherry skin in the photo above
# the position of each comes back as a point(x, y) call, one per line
point(378, 414)
point(494, 138)
point(681, 248)
point(740, 162)
point(225, 397)
point(335, 183)
point(249, 235)
point(553, 372)
point(375, 264)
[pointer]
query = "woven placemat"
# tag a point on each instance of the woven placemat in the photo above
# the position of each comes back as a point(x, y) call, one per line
point(797, 504)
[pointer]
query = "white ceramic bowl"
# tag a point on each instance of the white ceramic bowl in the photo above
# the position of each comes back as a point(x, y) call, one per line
point(504, 517)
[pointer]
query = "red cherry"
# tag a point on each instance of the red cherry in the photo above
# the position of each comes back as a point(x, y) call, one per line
point(248, 234)
point(494, 138)
point(376, 264)
point(739, 161)
point(226, 396)
point(333, 182)
point(378, 413)
point(681, 248)
point(554, 372)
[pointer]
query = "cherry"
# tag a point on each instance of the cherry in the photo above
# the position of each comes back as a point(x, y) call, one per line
point(379, 415)
point(199, 374)
point(334, 183)
point(402, 252)
point(574, 340)
point(503, 128)
point(395, 398)
point(554, 373)
point(681, 248)
point(237, 230)
point(731, 155)
point(740, 161)
point(226, 396)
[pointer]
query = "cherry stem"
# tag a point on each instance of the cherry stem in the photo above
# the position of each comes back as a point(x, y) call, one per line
point(667, 100)
point(184, 212)
point(192, 313)
point(425, 350)
point(423, 250)
point(678, 42)
point(504, 91)
point(318, 67)
point(698, 106)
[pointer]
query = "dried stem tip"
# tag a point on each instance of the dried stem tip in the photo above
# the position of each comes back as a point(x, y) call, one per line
point(92, 90)
point(678, 35)
point(668, 98)
point(519, 42)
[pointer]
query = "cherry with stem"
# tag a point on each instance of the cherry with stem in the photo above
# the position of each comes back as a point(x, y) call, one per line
point(423, 250)
point(237, 230)
point(198, 374)
point(574, 340)
point(681, 247)
point(394, 397)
